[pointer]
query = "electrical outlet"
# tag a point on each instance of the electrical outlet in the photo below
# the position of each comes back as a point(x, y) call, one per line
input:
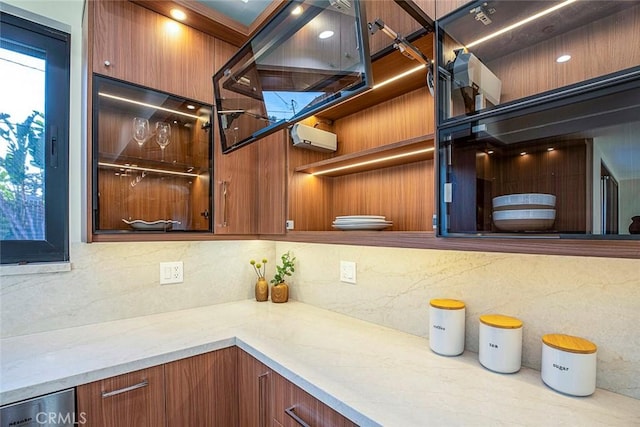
point(171, 272)
point(289, 224)
point(348, 272)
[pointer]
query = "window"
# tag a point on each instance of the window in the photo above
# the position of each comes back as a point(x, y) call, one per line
point(34, 141)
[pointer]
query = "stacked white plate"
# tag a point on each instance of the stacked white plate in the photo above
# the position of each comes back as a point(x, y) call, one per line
point(524, 212)
point(361, 222)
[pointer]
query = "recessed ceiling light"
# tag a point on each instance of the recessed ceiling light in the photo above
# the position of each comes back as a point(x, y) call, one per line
point(550, 149)
point(489, 151)
point(178, 14)
point(191, 107)
point(325, 34)
point(297, 10)
point(563, 58)
point(524, 153)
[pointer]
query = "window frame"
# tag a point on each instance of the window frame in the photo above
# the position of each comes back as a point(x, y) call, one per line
point(57, 44)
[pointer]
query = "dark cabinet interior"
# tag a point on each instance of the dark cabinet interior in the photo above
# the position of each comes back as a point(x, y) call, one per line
point(544, 149)
point(152, 169)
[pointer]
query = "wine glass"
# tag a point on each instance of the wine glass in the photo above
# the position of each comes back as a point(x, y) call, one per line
point(163, 134)
point(140, 130)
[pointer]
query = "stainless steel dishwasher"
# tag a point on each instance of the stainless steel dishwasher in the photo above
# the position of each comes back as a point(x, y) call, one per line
point(55, 409)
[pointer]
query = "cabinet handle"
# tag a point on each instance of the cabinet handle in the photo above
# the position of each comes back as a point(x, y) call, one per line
point(126, 389)
point(296, 418)
point(225, 217)
point(262, 400)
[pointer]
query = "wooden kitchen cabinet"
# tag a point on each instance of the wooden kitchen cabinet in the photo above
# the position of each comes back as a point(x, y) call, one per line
point(166, 56)
point(196, 391)
point(293, 406)
point(135, 399)
point(134, 44)
point(254, 391)
point(265, 397)
point(384, 161)
point(249, 184)
point(141, 186)
point(202, 390)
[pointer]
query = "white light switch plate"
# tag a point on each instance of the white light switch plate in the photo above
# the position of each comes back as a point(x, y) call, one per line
point(348, 272)
point(171, 272)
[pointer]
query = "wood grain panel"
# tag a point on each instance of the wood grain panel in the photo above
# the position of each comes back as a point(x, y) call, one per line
point(534, 70)
point(149, 49)
point(428, 240)
point(310, 199)
point(254, 392)
point(394, 17)
point(287, 395)
point(271, 192)
point(428, 6)
point(202, 390)
point(443, 7)
point(405, 117)
point(384, 68)
point(403, 194)
point(332, 418)
point(142, 407)
point(235, 213)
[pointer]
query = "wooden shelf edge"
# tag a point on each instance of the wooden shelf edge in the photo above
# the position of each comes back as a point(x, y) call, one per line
point(126, 236)
point(428, 240)
point(398, 153)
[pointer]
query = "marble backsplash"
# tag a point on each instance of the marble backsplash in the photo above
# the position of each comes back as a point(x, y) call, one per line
point(111, 281)
point(595, 298)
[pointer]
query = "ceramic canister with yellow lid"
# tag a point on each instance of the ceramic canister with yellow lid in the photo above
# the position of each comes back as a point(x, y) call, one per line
point(500, 343)
point(446, 326)
point(569, 364)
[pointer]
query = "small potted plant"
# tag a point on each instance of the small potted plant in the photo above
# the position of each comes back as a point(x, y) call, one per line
point(280, 289)
point(262, 287)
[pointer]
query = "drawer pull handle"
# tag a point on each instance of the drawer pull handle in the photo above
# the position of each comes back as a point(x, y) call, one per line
point(263, 398)
point(296, 418)
point(124, 390)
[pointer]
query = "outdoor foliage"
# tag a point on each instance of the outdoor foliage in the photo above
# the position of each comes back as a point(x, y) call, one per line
point(22, 178)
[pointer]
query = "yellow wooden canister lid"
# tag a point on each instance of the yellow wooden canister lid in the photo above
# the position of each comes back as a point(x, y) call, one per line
point(500, 321)
point(447, 304)
point(569, 343)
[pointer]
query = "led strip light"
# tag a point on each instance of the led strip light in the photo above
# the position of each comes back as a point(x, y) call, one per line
point(144, 104)
point(369, 162)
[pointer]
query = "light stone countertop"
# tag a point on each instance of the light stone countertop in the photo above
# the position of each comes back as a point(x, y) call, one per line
point(372, 374)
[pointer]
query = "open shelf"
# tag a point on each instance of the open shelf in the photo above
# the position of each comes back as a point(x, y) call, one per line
point(398, 153)
point(385, 69)
point(127, 163)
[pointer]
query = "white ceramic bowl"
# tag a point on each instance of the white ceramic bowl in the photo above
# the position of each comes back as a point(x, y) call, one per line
point(524, 219)
point(524, 201)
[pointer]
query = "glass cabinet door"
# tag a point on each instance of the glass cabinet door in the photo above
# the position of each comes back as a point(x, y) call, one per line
point(497, 53)
point(151, 160)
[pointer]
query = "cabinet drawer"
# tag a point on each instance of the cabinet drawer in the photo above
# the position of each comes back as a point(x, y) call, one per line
point(135, 399)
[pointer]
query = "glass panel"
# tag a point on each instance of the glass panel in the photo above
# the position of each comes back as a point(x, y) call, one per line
point(309, 56)
point(570, 167)
point(152, 155)
point(22, 147)
point(494, 53)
